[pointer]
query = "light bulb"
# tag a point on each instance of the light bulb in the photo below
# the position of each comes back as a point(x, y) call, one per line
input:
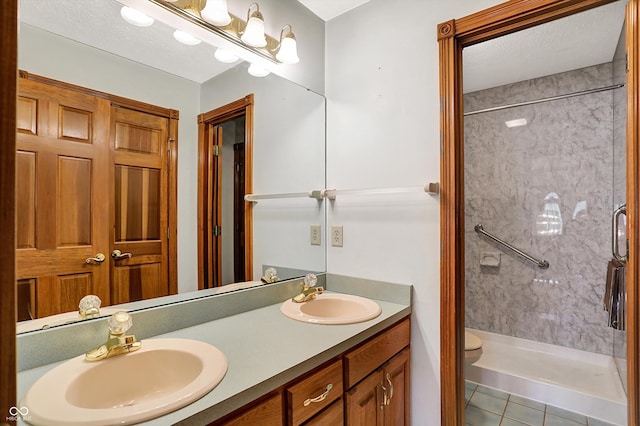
point(258, 71)
point(186, 38)
point(135, 17)
point(225, 56)
point(253, 34)
point(288, 52)
point(215, 12)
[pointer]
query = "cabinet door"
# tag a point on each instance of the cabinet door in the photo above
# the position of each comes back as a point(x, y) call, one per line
point(364, 402)
point(266, 413)
point(396, 382)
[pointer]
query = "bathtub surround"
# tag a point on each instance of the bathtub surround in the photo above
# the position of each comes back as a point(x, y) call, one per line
point(546, 188)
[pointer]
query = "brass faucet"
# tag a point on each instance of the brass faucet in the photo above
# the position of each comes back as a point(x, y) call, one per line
point(117, 343)
point(309, 290)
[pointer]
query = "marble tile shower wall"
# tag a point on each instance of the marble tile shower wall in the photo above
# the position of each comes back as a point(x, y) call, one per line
point(546, 188)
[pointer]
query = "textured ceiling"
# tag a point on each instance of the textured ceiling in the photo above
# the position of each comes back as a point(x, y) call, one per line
point(577, 41)
point(329, 9)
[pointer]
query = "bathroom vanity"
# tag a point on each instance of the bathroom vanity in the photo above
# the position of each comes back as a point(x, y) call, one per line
point(368, 384)
point(275, 363)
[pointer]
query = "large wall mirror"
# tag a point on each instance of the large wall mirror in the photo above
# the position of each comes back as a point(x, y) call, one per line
point(90, 45)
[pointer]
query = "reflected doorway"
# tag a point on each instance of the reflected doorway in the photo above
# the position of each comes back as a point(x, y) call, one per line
point(224, 176)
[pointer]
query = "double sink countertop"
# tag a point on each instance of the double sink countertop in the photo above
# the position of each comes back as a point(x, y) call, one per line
point(264, 348)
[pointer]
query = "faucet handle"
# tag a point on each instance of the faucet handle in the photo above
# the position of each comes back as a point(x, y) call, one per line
point(89, 306)
point(310, 280)
point(120, 322)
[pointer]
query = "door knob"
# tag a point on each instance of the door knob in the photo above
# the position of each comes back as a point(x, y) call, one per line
point(98, 259)
point(118, 255)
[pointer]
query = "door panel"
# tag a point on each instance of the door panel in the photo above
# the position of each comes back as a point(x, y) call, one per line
point(140, 215)
point(26, 201)
point(62, 164)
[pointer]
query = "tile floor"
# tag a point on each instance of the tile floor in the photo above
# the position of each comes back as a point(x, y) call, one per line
point(486, 406)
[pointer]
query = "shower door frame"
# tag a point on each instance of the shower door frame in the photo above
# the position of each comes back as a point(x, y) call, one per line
point(453, 36)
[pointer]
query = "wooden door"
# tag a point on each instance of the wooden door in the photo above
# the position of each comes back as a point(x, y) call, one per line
point(238, 212)
point(213, 208)
point(62, 197)
point(140, 146)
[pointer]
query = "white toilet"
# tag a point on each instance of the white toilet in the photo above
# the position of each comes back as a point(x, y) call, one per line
point(472, 348)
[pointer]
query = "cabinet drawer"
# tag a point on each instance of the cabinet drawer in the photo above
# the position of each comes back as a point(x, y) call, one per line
point(371, 355)
point(314, 387)
point(266, 413)
point(333, 415)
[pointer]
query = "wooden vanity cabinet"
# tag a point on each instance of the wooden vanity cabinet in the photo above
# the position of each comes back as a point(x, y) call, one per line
point(382, 397)
point(377, 376)
point(369, 387)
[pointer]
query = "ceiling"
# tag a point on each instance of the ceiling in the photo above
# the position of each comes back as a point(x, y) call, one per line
point(585, 39)
point(577, 41)
point(329, 9)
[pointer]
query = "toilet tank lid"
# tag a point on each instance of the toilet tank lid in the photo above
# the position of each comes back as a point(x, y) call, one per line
point(471, 342)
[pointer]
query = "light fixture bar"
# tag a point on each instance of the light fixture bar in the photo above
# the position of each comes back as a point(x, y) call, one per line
point(229, 33)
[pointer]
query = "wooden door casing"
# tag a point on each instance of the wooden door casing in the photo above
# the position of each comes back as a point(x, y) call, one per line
point(62, 208)
point(207, 185)
point(453, 36)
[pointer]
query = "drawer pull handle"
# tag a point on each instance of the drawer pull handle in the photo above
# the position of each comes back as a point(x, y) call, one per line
point(390, 388)
point(319, 398)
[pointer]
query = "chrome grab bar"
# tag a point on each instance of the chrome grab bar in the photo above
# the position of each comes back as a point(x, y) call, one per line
point(542, 264)
point(614, 233)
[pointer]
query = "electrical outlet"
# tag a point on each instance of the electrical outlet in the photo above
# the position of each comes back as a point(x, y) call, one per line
point(336, 236)
point(316, 238)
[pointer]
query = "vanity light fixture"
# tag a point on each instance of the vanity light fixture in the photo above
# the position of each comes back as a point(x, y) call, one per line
point(257, 71)
point(215, 12)
point(225, 56)
point(135, 17)
point(288, 48)
point(253, 34)
point(213, 16)
point(186, 38)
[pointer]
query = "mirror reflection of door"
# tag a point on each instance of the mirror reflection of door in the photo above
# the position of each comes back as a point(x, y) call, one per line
point(225, 142)
point(92, 178)
point(139, 245)
point(62, 199)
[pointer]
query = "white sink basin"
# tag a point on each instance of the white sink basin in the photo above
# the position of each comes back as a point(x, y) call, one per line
point(162, 376)
point(332, 308)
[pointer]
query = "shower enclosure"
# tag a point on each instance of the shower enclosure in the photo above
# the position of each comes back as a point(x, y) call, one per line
point(544, 170)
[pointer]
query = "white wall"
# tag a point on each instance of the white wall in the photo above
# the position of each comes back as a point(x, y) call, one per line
point(383, 131)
